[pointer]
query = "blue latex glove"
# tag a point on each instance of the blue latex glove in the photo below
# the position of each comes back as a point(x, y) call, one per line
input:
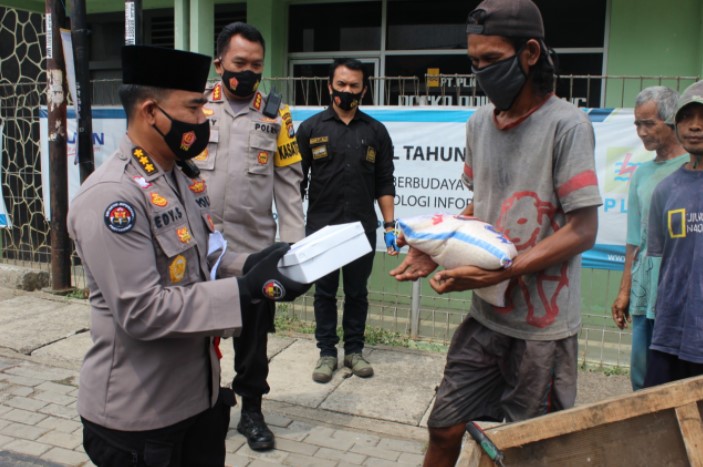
point(390, 237)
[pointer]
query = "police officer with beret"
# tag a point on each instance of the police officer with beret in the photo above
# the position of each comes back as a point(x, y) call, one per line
point(251, 163)
point(161, 279)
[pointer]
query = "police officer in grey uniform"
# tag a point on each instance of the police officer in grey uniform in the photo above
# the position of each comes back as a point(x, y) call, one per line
point(252, 160)
point(150, 384)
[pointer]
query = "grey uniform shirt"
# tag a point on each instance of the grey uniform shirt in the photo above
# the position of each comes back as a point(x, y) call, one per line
point(251, 161)
point(154, 314)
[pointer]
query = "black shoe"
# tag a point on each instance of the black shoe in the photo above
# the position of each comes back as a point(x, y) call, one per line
point(253, 427)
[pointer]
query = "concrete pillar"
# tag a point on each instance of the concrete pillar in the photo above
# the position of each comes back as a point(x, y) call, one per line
point(271, 18)
point(202, 27)
point(181, 24)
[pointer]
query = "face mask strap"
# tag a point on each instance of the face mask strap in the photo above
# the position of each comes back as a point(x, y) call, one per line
point(163, 135)
point(163, 111)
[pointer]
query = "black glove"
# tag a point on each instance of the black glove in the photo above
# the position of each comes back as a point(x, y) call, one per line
point(255, 258)
point(264, 280)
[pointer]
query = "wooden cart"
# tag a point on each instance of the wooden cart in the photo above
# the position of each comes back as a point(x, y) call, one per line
point(657, 427)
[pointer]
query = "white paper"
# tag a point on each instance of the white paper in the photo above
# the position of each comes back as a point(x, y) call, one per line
point(216, 242)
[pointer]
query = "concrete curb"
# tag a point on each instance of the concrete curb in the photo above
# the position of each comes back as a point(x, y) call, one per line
point(17, 277)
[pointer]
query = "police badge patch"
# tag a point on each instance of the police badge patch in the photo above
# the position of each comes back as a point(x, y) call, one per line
point(120, 217)
point(319, 152)
point(273, 289)
point(198, 186)
point(158, 200)
point(370, 154)
point(177, 269)
point(183, 235)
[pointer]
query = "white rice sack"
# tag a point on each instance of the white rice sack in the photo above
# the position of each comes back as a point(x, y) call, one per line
point(453, 241)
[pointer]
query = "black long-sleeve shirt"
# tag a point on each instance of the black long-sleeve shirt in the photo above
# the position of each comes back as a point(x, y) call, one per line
point(347, 166)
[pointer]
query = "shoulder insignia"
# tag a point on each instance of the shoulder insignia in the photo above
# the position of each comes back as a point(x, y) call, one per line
point(184, 235)
point(257, 101)
point(158, 200)
point(198, 186)
point(177, 269)
point(120, 217)
point(144, 161)
point(287, 120)
point(217, 92)
point(319, 139)
point(141, 181)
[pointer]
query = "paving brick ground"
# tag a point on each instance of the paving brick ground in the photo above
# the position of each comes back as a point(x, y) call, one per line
point(377, 422)
point(39, 426)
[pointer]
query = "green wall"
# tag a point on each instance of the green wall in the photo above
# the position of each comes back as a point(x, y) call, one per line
point(652, 38)
point(271, 18)
point(645, 37)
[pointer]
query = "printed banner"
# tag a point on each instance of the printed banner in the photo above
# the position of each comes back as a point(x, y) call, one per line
point(109, 125)
point(619, 151)
point(4, 216)
point(429, 147)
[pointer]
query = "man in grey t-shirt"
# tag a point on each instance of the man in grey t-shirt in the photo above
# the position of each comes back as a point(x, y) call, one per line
point(530, 163)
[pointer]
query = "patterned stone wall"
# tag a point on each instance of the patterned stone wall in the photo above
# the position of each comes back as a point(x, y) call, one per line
point(22, 75)
point(21, 46)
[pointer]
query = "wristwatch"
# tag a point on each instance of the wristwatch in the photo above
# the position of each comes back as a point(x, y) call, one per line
point(389, 224)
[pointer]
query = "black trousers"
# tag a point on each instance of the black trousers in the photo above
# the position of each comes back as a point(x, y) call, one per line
point(198, 440)
point(251, 363)
point(355, 276)
point(664, 368)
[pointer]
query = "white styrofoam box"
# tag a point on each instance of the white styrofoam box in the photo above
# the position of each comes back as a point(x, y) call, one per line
point(326, 250)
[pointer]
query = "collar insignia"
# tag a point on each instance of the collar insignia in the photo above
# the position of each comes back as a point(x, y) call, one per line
point(217, 92)
point(144, 161)
point(256, 103)
point(202, 156)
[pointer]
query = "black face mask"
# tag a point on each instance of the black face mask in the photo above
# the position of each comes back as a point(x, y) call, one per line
point(241, 83)
point(501, 81)
point(186, 140)
point(346, 100)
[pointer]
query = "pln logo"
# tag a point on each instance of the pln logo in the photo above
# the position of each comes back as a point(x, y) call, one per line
point(621, 163)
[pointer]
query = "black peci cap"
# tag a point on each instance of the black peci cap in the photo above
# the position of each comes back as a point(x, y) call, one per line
point(165, 68)
point(507, 18)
